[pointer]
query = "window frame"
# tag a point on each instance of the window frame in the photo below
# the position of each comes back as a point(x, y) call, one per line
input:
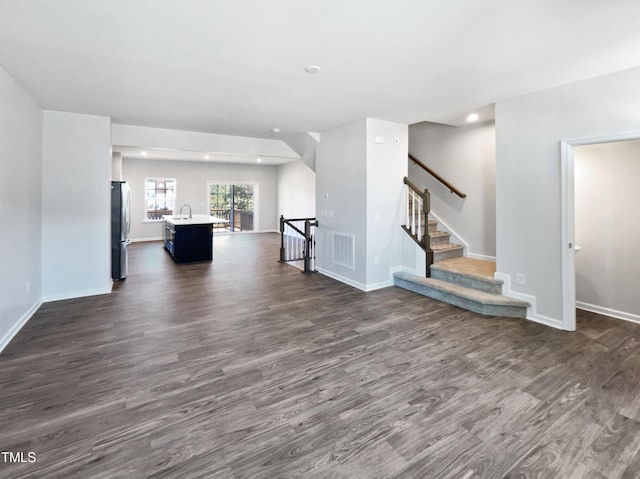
point(146, 218)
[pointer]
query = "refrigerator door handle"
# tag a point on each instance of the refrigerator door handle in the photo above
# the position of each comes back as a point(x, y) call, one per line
point(128, 211)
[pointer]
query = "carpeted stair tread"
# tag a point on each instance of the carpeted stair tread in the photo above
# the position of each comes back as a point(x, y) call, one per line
point(450, 246)
point(468, 298)
point(469, 293)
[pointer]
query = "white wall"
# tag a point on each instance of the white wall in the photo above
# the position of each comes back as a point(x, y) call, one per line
point(116, 166)
point(607, 226)
point(144, 137)
point(359, 191)
point(529, 130)
point(191, 188)
point(296, 190)
point(21, 203)
point(341, 171)
point(386, 168)
point(466, 157)
point(304, 144)
point(76, 258)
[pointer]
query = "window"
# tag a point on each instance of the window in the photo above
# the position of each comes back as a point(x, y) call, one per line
point(160, 197)
point(234, 203)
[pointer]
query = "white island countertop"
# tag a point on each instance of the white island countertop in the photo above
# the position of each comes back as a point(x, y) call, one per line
point(180, 220)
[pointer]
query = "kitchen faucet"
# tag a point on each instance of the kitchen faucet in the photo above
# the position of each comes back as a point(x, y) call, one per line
point(187, 207)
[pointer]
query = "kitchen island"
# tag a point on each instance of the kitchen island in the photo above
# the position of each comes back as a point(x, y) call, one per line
point(189, 239)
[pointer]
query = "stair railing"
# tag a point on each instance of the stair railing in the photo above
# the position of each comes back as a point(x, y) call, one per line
point(298, 242)
point(418, 205)
point(452, 188)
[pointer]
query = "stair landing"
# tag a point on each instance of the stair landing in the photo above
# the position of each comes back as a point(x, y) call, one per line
point(469, 266)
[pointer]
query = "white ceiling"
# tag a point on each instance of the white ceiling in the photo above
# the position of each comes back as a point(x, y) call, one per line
point(210, 157)
point(237, 66)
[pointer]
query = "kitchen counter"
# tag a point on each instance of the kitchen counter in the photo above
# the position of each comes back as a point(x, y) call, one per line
point(189, 240)
point(182, 220)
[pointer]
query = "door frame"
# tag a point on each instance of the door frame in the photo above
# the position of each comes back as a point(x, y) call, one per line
point(567, 162)
point(256, 202)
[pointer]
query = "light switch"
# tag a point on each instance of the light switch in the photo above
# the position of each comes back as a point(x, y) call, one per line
point(378, 139)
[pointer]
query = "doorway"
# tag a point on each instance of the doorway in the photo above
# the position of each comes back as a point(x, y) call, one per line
point(594, 259)
point(235, 203)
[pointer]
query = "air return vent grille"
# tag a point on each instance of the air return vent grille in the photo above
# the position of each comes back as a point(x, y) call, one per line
point(343, 247)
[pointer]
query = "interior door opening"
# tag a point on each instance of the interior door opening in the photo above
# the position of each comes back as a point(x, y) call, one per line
point(235, 203)
point(599, 196)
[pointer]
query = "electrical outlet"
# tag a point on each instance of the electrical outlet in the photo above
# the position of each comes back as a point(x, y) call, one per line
point(520, 278)
point(330, 213)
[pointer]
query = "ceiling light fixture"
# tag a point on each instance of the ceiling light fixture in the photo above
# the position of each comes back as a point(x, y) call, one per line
point(312, 69)
point(143, 153)
point(259, 160)
point(275, 130)
point(206, 157)
point(473, 117)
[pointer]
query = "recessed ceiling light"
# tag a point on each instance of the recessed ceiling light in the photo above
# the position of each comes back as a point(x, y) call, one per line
point(206, 157)
point(143, 153)
point(259, 160)
point(473, 117)
point(275, 130)
point(312, 68)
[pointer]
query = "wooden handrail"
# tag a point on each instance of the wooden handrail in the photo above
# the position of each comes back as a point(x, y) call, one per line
point(452, 188)
point(407, 182)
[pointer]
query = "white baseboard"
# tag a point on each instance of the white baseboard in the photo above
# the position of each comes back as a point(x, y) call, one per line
point(342, 279)
point(76, 294)
point(143, 240)
point(18, 325)
point(532, 313)
point(227, 233)
point(380, 285)
point(614, 313)
point(362, 287)
point(482, 256)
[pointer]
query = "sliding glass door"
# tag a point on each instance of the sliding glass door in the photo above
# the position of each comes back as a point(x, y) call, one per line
point(234, 203)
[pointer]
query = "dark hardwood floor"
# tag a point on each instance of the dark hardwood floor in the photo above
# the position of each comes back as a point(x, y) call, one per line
point(246, 368)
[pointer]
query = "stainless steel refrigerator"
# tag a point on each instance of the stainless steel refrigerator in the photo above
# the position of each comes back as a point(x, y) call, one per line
point(120, 225)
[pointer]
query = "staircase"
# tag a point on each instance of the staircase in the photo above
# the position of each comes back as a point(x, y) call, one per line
point(467, 283)
point(441, 245)
point(451, 277)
